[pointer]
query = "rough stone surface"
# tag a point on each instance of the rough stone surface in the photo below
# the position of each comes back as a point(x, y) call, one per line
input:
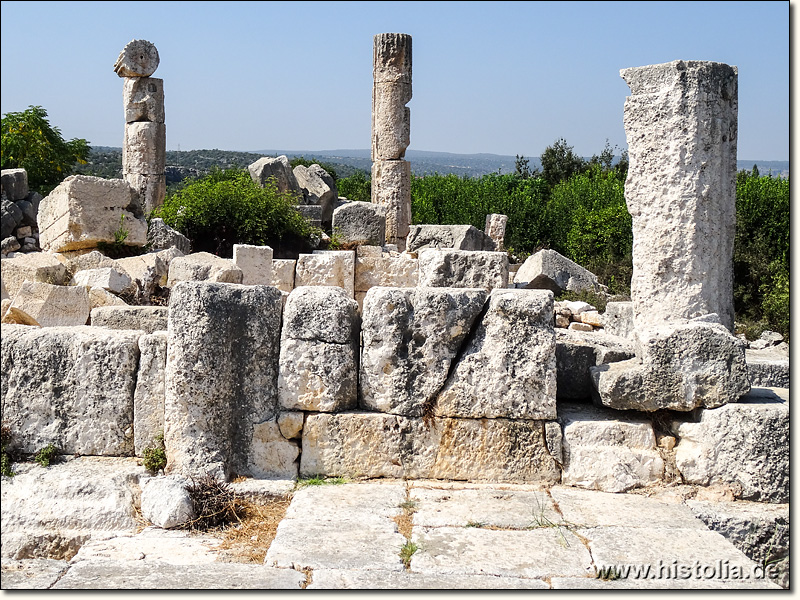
point(291, 424)
point(608, 450)
point(329, 268)
point(150, 187)
point(222, 372)
point(549, 270)
point(143, 99)
point(149, 271)
point(14, 184)
point(495, 229)
point(376, 271)
point(166, 502)
point(577, 352)
point(83, 211)
point(111, 279)
point(508, 366)
point(203, 266)
point(383, 445)
point(31, 574)
point(391, 189)
point(678, 367)
point(145, 318)
point(255, 263)
point(391, 120)
point(99, 297)
point(410, 338)
point(37, 266)
point(360, 223)
point(139, 58)
point(746, 444)
point(283, 274)
point(11, 218)
point(456, 237)
point(767, 368)
point(318, 189)
point(53, 305)
point(463, 269)
point(144, 149)
point(161, 236)
point(279, 170)
point(618, 319)
point(342, 579)
point(65, 504)
point(148, 397)
point(681, 121)
point(70, 386)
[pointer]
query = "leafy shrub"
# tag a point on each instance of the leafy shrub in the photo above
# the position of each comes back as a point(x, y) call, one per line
point(46, 455)
point(227, 208)
point(357, 186)
point(154, 459)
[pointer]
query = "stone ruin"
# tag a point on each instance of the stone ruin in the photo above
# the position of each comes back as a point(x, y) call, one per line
point(422, 353)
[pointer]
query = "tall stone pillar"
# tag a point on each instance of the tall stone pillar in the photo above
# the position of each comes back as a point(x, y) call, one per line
point(681, 125)
point(144, 148)
point(391, 132)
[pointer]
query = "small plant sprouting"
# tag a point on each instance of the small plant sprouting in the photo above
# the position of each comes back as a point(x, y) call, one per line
point(319, 480)
point(121, 234)
point(154, 459)
point(408, 506)
point(477, 524)
point(46, 455)
point(5, 441)
point(407, 550)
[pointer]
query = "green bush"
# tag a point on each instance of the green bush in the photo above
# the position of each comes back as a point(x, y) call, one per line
point(357, 186)
point(46, 455)
point(154, 459)
point(227, 208)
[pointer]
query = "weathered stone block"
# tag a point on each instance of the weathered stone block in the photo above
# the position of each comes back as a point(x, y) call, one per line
point(166, 502)
point(391, 120)
point(112, 279)
point(508, 367)
point(139, 58)
point(151, 189)
point(385, 272)
point(380, 445)
point(361, 223)
point(283, 274)
point(463, 269)
point(746, 444)
point(148, 397)
point(457, 237)
point(279, 170)
point(14, 184)
point(161, 236)
point(329, 268)
point(767, 368)
point(143, 99)
point(495, 229)
point(391, 188)
point(255, 263)
point(618, 319)
point(549, 270)
point(36, 266)
point(576, 353)
point(203, 266)
point(70, 386)
point(272, 455)
point(144, 149)
point(222, 372)
point(318, 188)
point(83, 211)
point(11, 216)
point(144, 318)
point(410, 338)
point(391, 57)
point(53, 305)
point(149, 271)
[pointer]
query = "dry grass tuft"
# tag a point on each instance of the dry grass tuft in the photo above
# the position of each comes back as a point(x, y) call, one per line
point(249, 539)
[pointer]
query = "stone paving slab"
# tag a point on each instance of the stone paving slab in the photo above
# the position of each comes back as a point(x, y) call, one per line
point(153, 544)
point(31, 574)
point(329, 579)
point(110, 574)
point(487, 507)
point(589, 508)
point(347, 502)
point(537, 553)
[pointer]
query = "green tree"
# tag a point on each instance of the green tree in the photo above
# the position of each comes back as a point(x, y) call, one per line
point(29, 142)
point(357, 186)
point(559, 162)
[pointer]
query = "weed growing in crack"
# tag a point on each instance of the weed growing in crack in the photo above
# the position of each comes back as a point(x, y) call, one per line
point(477, 524)
point(46, 455)
point(318, 480)
point(407, 550)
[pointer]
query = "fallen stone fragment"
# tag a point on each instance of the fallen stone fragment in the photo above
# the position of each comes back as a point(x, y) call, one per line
point(456, 237)
point(161, 236)
point(37, 266)
point(360, 223)
point(111, 279)
point(279, 170)
point(166, 502)
point(318, 189)
point(203, 266)
point(577, 353)
point(549, 270)
point(53, 305)
point(14, 184)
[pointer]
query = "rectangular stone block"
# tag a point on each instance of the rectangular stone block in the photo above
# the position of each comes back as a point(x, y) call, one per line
point(379, 445)
point(152, 189)
point(577, 353)
point(35, 266)
point(391, 188)
point(144, 149)
point(618, 319)
point(143, 99)
point(53, 305)
point(331, 268)
point(145, 318)
point(385, 272)
point(148, 397)
point(69, 386)
point(463, 269)
point(255, 263)
point(457, 237)
point(283, 274)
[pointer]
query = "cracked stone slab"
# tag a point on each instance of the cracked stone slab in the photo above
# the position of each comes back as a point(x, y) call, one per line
point(346, 502)
point(589, 508)
point(337, 579)
point(487, 507)
point(111, 574)
point(152, 544)
point(31, 574)
point(543, 552)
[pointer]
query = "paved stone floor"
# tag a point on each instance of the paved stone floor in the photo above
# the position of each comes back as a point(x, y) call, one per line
point(455, 536)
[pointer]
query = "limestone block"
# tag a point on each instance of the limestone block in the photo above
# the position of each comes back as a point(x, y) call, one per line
point(495, 229)
point(330, 268)
point(70, 386)
point(152, 189)
point(385, 272)
point(144, 318)
point(319, 350)
point(410, 338)
point(83, 211)
point(36, 266)
point(23, 232)
point(255, 263)
point(576, 353)
point(463, 268)
point(318, 188)
point(144, 149)
point(679, 367)
point(222, 372)
point(576, 326)
point(391, 120)
point(311, 212)
point(32, 573)
point(608, 450)
point(161, 236)
point(11, 218)
point(291, 424)
point(381, 445)
point(681, 123)
point(15, 316)
point(360, 223)
point(618, 319)
point(767, 368)
point(9, 246)
point(391, 188)
point(139, 58)
point(283, 274)
point(746, 444)
point(203, 266)
point(53, 305)
point(91, 259)
point(279, 170)
point(112, 279)
point(508, 367)
point(99, 297)
point(143, 99)
point(14, 184)
point(457, 237)
point(272, 455)
point(148, 397)
point(166, 502)
point(549, 270)
point(147, 270)
point(593, 318)
point(391, 58)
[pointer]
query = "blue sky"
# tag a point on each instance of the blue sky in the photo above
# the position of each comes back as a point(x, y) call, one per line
point(498, 77)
